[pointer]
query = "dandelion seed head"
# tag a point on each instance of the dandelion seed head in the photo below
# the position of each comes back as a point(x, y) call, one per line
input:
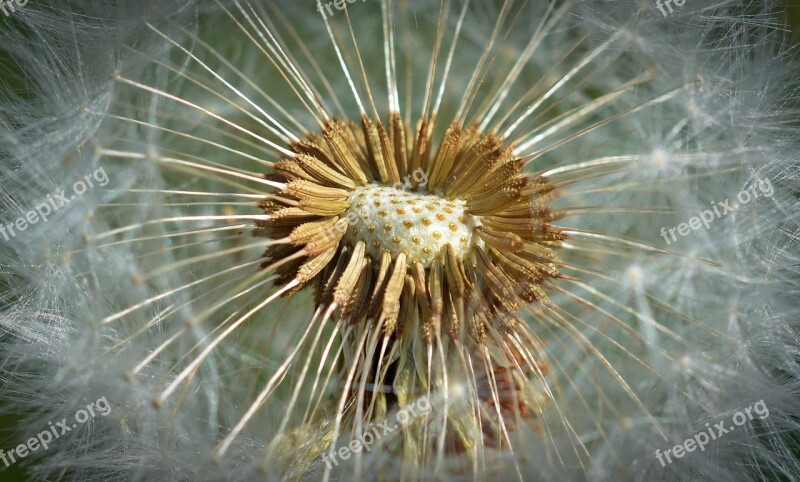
point(228, 274)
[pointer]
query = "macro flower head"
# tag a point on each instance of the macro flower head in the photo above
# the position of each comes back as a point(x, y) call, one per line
point(400, 240)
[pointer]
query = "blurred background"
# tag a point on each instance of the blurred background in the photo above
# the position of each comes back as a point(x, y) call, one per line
point(10, 437)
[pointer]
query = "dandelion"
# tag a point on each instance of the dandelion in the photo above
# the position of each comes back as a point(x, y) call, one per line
point(316, 224)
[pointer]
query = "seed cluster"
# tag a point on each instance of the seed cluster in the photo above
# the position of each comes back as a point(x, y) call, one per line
point(421, 225)
point(465, 250)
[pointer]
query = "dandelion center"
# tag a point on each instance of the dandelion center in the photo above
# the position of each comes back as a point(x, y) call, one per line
point(398, 229)
point(418, 224)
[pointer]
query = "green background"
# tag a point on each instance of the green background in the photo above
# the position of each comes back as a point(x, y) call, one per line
point(10, 438)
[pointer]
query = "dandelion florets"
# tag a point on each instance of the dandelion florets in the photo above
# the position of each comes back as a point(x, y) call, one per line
point(466, 204)
point(473, 242)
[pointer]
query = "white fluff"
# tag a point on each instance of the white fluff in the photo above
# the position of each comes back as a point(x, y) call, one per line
point(708, 324)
